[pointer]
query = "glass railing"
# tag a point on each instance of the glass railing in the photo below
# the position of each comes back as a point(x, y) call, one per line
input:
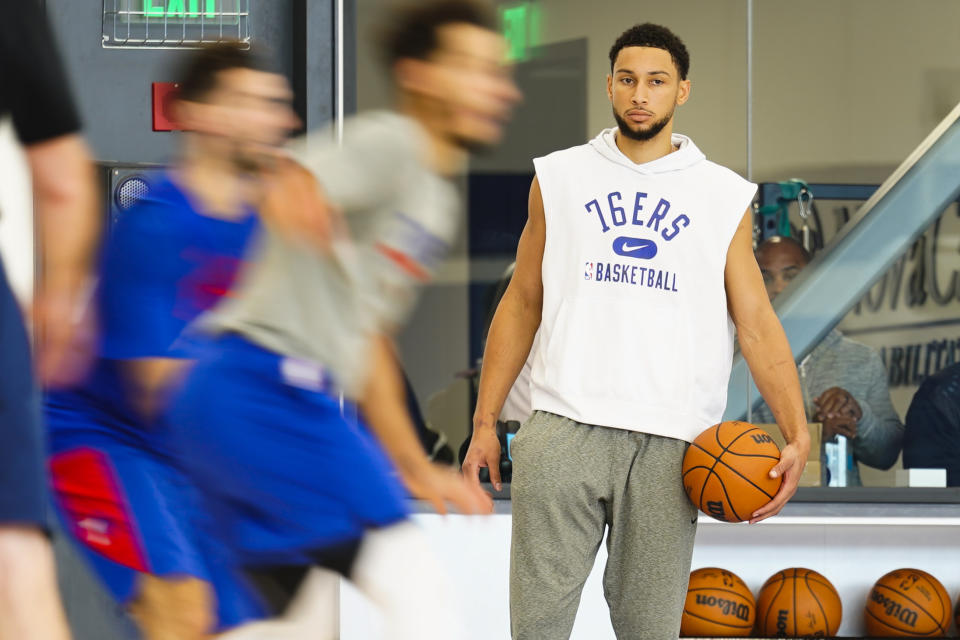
point(874, 314)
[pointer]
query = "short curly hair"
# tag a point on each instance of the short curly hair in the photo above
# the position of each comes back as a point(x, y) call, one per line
point(658, 37)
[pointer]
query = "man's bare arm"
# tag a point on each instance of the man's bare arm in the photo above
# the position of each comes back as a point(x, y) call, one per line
point(67, 223)
point(765, 348)
point(384, 406)
point(514, 326)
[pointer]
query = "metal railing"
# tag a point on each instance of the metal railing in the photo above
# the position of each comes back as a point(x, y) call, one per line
point(174, 24)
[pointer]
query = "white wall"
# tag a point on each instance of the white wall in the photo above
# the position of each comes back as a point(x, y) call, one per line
point(844, 90)
point(851, 552)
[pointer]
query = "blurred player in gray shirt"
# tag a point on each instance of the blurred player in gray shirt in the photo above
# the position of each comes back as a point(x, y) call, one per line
point(289, 481)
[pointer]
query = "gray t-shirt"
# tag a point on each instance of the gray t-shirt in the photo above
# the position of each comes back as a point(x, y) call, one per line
point(324, 306)
point(841, 362)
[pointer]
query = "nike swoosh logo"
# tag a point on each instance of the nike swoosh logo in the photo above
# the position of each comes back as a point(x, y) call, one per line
point(640, 248)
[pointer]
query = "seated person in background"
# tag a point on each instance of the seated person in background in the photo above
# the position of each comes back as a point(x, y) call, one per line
point(932, 438)
point(846, 380)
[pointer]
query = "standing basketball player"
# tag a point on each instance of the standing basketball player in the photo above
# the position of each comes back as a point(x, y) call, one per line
point(33, 92)
point(290, 482)
point(636, 264)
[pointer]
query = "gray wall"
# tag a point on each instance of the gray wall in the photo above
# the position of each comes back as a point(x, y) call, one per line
point(113, 88)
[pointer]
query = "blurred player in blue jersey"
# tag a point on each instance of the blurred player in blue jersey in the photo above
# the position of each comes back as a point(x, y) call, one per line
point(289, 482)
point(167, 260)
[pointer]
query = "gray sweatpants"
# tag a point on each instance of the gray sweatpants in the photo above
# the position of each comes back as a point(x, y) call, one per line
point(570, 482)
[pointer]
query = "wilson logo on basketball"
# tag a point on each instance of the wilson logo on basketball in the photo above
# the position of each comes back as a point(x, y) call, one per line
point(761, 438)
point(895, 609)
point(727, 607)
point(782, 622)
point(715, 509)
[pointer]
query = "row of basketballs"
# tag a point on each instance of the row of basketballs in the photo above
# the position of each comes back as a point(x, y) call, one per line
point(798, 603)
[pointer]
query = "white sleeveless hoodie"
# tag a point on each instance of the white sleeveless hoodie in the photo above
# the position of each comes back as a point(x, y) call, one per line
point(635, 332)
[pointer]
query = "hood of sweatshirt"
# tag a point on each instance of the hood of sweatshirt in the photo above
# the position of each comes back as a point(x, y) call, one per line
point(685, 156)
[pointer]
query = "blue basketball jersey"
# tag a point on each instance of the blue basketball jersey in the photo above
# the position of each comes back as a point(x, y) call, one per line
point(163, 264)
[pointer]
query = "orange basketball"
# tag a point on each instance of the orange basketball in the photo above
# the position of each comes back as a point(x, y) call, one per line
point(719, 604)
point(798, 603)
point(908, 603)
point(726, 470)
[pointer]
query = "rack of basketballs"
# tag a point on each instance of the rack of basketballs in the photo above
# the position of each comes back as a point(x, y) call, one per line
point(801, 603)
point(726, 475)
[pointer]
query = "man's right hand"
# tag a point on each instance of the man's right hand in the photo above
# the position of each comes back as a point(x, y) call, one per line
point(484, 451)
point(440, 485)
point(63, 321)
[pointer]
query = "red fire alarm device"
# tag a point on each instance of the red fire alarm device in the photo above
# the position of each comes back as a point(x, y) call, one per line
point(163, 94)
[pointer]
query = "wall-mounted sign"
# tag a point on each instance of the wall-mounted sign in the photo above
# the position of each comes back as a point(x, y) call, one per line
point(521, 28)
point(178, 9)
point(174, 23)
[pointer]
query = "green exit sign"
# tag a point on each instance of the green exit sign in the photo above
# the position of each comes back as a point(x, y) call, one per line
point(174, 24)
point(180, 9)
point(521, 28)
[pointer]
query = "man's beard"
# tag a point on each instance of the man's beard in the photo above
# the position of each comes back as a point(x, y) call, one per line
point(644, 134)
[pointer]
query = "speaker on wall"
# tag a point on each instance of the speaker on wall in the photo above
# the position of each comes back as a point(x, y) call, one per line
point(127, 184)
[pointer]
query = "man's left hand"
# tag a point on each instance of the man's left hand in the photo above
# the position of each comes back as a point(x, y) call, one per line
point(793, 459)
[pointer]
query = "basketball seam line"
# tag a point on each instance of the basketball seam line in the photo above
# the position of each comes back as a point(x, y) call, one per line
point(699, 466)
point(826, 621)
point(755, 486)
point(887, 624)
point(821, 582)
point(774, 598)
point(752, 455)
point(716, 461)
point(727, 496)
point(919, 606)
point(796, 633)
point(716, 435)
point(723, 624)
point(706, 480)
point(945, 609)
